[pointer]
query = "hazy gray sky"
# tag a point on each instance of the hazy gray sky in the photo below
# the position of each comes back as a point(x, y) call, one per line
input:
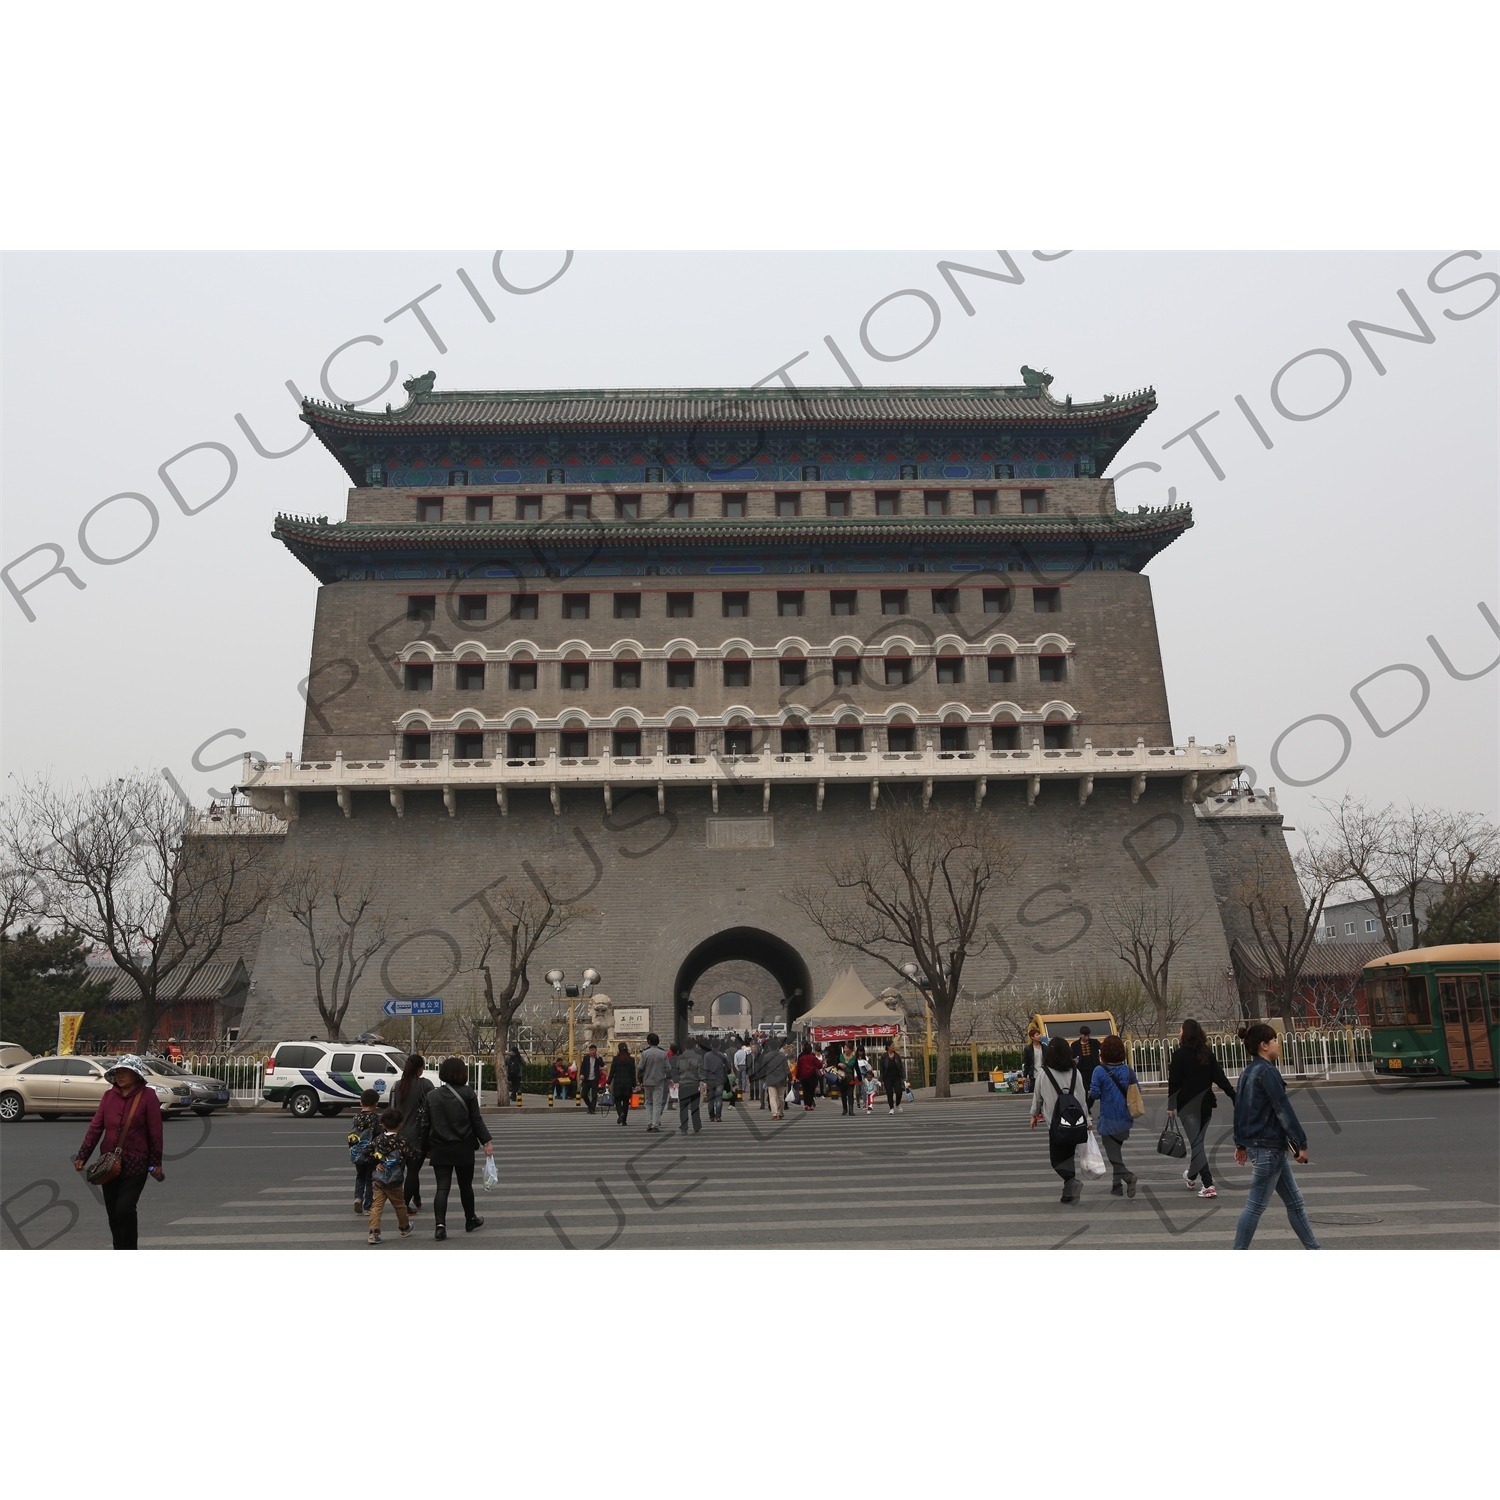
point(1311, 565)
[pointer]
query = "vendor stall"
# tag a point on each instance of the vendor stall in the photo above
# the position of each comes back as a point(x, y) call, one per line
point(849, 1013)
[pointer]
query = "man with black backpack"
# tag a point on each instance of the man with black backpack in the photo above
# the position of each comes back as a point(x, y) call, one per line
point(1062, 1101)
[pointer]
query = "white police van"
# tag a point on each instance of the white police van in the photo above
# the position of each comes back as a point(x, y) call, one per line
point(311, 1078)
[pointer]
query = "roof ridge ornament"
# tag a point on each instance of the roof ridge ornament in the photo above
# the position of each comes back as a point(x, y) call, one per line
point(420, 385)
point(1036, 380)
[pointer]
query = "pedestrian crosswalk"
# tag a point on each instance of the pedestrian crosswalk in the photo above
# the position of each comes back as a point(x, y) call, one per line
point(960, 1175)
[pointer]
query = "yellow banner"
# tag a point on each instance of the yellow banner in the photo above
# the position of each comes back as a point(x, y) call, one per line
point(68, 1022)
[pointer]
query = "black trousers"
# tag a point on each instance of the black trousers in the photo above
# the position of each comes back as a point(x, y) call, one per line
point(894, 1093)
point(445, 1174)
point(411, 1188)
point(590, 1093)
point(846, 1096)
point(1062, 1159)
point(622, 1106)
point(120, 1199)
point(688, 1104)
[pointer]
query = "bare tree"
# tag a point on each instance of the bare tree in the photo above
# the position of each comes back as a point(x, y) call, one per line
point(1283, 905)
point(120, 864)
point(916, 892)
point(1433, 868)
point(1148, 930)
point(344, 925)
point(515, 921)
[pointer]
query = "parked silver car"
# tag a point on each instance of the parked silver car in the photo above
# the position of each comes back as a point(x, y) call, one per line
point(208, 1094)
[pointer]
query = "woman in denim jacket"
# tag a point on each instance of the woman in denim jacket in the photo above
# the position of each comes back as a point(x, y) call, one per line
point(1266, 1132)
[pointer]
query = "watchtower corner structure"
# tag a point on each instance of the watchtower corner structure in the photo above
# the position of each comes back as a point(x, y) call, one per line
point(671, 647)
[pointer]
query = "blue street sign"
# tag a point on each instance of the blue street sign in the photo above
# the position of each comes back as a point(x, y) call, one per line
point(432, 1007)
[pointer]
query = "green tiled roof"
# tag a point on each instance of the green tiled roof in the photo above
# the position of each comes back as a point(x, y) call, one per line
point(515, 411)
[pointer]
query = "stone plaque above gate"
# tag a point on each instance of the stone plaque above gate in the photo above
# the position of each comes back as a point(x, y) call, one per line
point(739, 833)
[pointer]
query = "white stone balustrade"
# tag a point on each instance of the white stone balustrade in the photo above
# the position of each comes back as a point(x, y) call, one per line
point(1203, 770)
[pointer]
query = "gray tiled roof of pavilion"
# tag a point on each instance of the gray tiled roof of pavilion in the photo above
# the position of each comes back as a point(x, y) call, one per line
point(442, 411)
point(305, 538)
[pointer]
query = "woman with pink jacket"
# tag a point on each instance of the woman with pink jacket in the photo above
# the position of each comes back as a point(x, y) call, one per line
point(128, 1120)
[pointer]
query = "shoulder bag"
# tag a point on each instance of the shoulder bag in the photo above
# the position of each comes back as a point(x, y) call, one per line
point(1133, 1100)
point(110, 1163)
point(1170, 1141)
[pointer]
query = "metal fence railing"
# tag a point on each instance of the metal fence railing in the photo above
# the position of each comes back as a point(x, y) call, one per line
point(1304, 1054)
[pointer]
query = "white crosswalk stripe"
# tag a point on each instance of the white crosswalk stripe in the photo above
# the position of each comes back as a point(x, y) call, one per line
point(961, 1176)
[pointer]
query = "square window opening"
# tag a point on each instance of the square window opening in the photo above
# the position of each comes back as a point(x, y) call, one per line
point(1046, 601)
point(680, 508)
point(471, 677)
point(849, 741)
point(574, 744)
point(789, 605)
point(627, 507)
point(521, 745)
point(953, 738)
point(1002, 669)
point(897, 671)
point(419, 677)
point(945, 601)
point(950, 670)
point(430, 510)
point(579, 507)
point(627, 606)
point(736, 606)
point(843, 602)
point(1033, 502)
point(628, 743)
point(901, 739)
point(1052, 668)
point(838, 505)
point(734, 507)
point(575, 606)
point(1005, 737)
point(935, 503)
point(529, 508)
point(887, 502)
point(893, 601)
point(682, 742)
point(846, 671)
point(416, 745)
point(421, 607)
point(679, 606)
point(627, 674)
point(986, 503)
point(524, 606)
point(793, 672)
point(788, 506)
point(472, 606)
point(1056, 736)
point(737, 742)
point(575, 676)
point(482, 510)
point(522, 676)
point(468, 744)
point(794, 741)
point(737, 673)
point(997, 601)
point(681, 674)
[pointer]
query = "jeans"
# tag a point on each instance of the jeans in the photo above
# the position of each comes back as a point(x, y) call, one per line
point(656, 1103)
point(381, 1194)
point(688, 1104)
point(1112, 1145)
point(465, 1190)
point(716, 1101)
point(120, 1199)
point(740, 1081)
point(590, 1095)
point(1194, 1120)
point(559, 1091)
point(362, 1180)
point(1273, 1170)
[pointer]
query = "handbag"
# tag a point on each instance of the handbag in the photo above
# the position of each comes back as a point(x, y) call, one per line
point(1170, 1142)
point(1092, 1166)
point(110, 1163)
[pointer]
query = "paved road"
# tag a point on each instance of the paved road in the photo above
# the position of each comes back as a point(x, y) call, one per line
point(1393, 1167)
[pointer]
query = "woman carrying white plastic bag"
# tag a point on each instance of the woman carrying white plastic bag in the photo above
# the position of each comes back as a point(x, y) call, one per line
point(1093, 1165)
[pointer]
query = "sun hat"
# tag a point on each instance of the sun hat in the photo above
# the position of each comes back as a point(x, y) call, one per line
point(137, 1065)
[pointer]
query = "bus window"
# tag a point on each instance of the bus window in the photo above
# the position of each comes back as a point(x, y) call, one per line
point(1418, 1008)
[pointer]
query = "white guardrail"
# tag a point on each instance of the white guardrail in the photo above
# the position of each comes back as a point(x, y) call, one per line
point(1304, 1054)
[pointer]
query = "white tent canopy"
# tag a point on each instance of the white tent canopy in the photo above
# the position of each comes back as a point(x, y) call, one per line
point(849, 1004)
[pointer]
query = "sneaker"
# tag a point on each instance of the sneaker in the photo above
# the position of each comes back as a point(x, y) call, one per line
point(359, 1208)
point(1191, 1181)
point(1130, 1185)
point(470, 1225)
point(1208, 1192)
point(406, 1232)
point(890, 1109)
point(373, 1238)
point(439, 1233)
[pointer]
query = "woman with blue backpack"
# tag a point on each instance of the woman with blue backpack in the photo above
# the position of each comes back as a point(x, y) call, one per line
point(1113, 1080)
point(1060, 1100)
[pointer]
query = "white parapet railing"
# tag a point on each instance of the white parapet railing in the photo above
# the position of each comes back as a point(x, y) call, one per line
point(1304, 1054)
point(274, 787)
point(242, 1071)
